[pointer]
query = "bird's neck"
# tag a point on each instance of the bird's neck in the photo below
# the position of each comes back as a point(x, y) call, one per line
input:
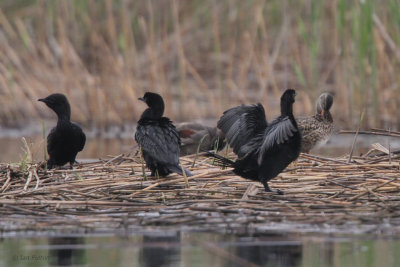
point(63, 112)
point(286, 109)
point(63, 116)
point(326, 115)
point(152, 113)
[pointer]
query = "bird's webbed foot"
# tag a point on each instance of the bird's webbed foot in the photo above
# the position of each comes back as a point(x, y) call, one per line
point(268, 189)
point(49, 165)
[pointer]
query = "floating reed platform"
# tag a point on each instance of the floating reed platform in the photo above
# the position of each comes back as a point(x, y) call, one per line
point(328, 195)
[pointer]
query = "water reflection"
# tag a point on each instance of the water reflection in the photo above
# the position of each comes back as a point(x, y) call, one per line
point(66, 251)
point(160, 250)
point(199, 249)
point(278, 253)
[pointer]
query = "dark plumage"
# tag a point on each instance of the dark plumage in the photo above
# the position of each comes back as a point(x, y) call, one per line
point(263, 149)
point(317, 128)
point(158, 138)
point(67, 138)
point(194, 134)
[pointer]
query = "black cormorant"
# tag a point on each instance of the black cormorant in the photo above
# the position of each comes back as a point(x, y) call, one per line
point(263, 150)
point(158, 138)
point(67, 138)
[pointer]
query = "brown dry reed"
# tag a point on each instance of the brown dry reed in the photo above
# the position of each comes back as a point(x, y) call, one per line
point(202, 56)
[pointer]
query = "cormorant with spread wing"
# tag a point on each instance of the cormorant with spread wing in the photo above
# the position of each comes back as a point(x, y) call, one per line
point(158, 138)
point(263, 149)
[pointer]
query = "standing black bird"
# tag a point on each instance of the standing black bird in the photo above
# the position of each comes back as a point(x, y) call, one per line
point(263, 149)
point(67, 138)
point(196, 136)
point(158, 138)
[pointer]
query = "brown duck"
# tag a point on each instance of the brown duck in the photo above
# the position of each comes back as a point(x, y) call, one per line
point(317, 128)
point(192, 134)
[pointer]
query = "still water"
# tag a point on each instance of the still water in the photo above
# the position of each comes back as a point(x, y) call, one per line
point(199, 249)
point(13, 149)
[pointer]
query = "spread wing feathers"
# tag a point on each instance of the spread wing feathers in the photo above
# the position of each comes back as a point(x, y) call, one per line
point(240, 124)
point(161, 142)
point(80, 136)
point(277, 133)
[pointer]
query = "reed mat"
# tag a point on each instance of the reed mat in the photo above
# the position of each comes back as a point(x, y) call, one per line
point(324, 195)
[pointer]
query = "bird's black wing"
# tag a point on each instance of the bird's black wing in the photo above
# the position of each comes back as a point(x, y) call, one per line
point(159, 140)
point(278, 132)
point(52, 141)
point(80, 136)
point(242, 123)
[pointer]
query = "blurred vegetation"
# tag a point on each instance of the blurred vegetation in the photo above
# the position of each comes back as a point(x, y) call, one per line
point(203, 56)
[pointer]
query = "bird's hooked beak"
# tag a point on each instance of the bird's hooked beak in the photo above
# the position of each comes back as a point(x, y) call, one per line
point(322, 113)
point(42, 100)
point(141, 99)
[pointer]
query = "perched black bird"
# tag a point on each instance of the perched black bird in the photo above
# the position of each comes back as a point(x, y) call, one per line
point(199, 137)
point(263, 149)
point(317, 128)
point(67, 138)
point(158, 138)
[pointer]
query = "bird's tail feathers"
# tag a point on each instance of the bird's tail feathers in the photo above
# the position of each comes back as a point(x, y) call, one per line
point(220, 160)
